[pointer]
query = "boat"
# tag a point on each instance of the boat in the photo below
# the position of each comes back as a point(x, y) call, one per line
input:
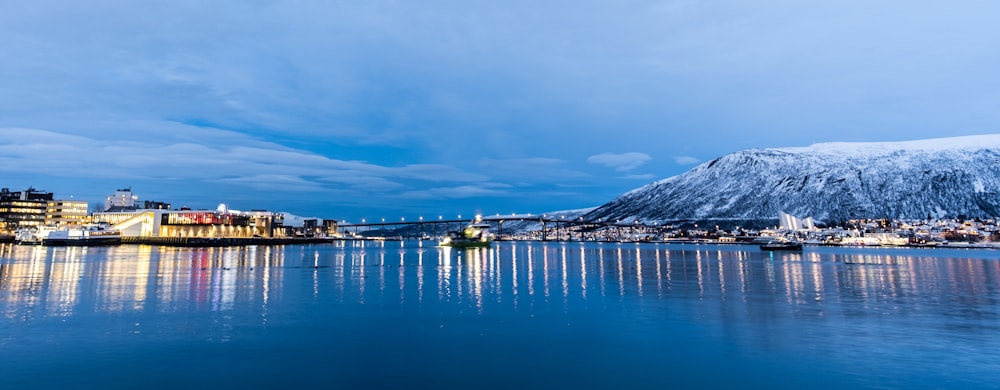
point(475, 235)
point(32, 235)
point(781, 246)
point(85, 235)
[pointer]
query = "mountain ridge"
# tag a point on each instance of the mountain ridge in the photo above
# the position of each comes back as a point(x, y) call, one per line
point(934, 178)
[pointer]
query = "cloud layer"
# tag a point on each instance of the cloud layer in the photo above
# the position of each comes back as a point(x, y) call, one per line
point(348, 106)
point(621, 162)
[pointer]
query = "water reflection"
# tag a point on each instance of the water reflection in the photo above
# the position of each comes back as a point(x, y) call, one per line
point(58, 282)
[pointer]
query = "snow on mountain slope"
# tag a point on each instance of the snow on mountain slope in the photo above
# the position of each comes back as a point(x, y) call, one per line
point(945, 177)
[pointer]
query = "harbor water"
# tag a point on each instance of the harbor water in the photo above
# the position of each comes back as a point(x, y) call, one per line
point(406, 314)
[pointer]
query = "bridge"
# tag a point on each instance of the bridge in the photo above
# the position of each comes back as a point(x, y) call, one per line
point(552, 227)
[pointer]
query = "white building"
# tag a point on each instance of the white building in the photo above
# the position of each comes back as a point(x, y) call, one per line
point(123, 199)
point(194, 223)
point(791, 222)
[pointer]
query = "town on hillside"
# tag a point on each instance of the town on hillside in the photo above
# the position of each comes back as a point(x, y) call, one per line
point(31, 212)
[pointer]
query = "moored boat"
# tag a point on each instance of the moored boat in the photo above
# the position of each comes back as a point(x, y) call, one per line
point(32, 235)
point(781, 246)
point(86, 235)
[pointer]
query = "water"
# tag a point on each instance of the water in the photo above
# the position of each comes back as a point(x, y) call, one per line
point(518, 315)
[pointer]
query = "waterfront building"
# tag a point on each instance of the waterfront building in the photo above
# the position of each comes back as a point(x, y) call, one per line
point(194, 223)
point(330, 227)
point(22, 208)
point(66, 212)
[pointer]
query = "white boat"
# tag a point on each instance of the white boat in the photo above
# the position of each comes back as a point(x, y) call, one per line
point(86, 235)
point(33, 235)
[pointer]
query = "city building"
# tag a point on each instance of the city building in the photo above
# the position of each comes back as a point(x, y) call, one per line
point(154, 205)
point(194, 223)
point(791, 222)
point(125, 200)
point(22, 208)
point(330, 227)
point(66, 212)
point(122, 200)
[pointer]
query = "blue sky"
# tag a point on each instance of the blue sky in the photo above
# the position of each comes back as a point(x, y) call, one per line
point(370, 109)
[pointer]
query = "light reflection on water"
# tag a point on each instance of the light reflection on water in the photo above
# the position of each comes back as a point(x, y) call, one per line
point(866, 317)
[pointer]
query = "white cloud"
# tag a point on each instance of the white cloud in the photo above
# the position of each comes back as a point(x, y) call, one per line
point(685, 160)
point(534, 168)
point(459, 192)
point(645, 176)
point(224, 157)
point(275, 183)
point(621, 162)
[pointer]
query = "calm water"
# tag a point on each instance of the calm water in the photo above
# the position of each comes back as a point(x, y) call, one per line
point(519, 315)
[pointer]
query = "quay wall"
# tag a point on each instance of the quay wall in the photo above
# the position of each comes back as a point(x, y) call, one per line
point(208, 242)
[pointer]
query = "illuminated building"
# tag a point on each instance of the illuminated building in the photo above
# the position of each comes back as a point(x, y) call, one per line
point(66, 212)
point(152, 204)
point(330, 227)
point(22, 208)
point(791, 222)
point(123, 199)
point(194, 223)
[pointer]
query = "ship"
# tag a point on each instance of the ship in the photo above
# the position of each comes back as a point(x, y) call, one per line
point(475, 235)
point(32, 235)
point(85, 235)
point(781, 246)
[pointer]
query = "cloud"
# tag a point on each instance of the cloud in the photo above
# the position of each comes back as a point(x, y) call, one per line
point(621, 162)
point(530, 169)
point(459, 192)
point(223, 157)
point(646, 176)
point(385, 97)
point(275, 183)
point(685, 160)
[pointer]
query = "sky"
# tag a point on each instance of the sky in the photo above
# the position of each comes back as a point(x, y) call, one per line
point(406, 109)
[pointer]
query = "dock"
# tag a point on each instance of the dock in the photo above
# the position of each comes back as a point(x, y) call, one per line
point(218, 242)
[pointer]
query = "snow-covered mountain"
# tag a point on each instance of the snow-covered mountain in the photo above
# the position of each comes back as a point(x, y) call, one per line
point(941, 178)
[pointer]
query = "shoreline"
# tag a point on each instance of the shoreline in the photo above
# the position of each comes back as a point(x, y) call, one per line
point(223, 242)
